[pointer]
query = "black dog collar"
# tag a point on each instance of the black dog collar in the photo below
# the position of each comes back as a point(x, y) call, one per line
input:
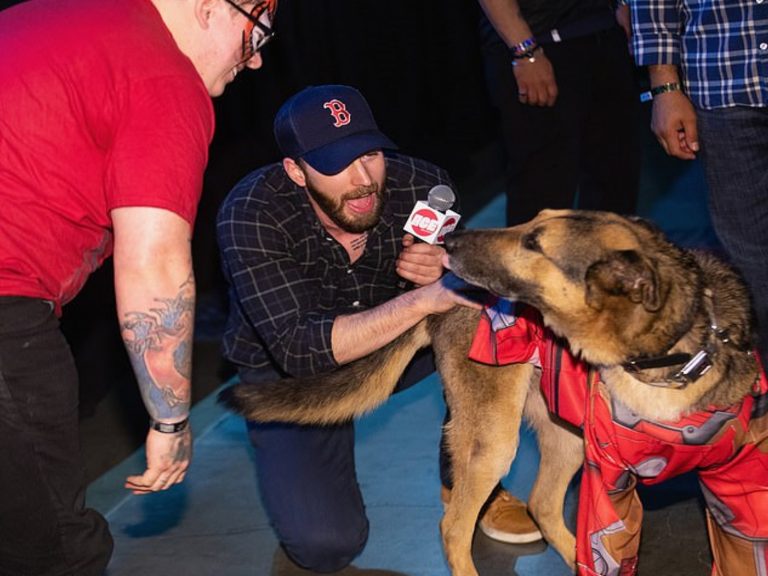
point(696, 365)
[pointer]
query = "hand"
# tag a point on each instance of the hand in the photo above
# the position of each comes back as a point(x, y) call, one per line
point(448, 292)
point(168, 457)
point(673, 121)
point(536, 85)
point(419, 262)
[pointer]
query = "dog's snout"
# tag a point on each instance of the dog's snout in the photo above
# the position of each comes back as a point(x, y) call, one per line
point(452, 240)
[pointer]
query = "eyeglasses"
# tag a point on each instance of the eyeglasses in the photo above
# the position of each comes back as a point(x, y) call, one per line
point(253, 43)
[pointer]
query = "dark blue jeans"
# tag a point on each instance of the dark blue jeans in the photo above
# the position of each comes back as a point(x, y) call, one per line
point(309, 486)
point(45, 529)
point(734, 150)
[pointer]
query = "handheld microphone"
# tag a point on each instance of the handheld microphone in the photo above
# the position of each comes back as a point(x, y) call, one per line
point(441, 197)
point(430, 221)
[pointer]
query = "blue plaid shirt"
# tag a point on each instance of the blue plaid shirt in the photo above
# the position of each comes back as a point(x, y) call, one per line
point(289, 278)
point(720, 45)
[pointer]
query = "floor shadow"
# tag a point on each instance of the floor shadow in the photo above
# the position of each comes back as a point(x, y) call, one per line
point(283, 566)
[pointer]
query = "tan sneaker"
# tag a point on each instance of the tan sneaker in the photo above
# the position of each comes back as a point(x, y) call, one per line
point(504, 518)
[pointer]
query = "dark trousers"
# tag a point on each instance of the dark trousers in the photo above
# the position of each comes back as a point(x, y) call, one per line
point(45, 529)
point(734, 150)
point(309, 488)
point(586, 146)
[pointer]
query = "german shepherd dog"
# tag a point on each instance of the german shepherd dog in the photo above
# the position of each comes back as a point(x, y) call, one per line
point(622, 296)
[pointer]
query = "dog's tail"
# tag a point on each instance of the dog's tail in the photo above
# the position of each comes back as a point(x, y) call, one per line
point(337, 396)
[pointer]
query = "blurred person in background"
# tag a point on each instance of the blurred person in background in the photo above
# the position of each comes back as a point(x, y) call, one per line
point(105, 122)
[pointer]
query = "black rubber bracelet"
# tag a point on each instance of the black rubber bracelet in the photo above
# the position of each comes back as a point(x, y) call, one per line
point(169, 428)
point(528, 54)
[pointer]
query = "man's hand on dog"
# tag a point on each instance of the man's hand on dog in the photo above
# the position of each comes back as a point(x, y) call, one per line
point(448, 292)
point(423, 265)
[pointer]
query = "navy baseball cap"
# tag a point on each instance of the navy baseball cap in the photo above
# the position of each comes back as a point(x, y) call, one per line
point(328, 127)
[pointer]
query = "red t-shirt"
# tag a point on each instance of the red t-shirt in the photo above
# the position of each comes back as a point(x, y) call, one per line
point(98, 110)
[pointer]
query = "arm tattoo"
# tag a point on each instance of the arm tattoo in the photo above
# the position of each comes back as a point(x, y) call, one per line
point(159, 344)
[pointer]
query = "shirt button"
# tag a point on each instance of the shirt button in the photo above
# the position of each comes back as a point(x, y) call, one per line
point(763, 45)
point(356, 303)
point(349, 270)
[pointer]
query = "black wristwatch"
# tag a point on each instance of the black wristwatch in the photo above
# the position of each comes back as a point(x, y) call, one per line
point(169, 428)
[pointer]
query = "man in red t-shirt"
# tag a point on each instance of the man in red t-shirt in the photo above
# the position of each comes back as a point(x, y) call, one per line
point(105, 122)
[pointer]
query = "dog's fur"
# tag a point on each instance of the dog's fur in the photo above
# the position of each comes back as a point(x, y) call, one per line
point(614, 287)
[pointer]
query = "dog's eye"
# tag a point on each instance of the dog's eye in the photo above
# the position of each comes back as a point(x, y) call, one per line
point(531, 242)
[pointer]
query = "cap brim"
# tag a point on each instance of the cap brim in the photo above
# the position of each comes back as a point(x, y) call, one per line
point(334, 157)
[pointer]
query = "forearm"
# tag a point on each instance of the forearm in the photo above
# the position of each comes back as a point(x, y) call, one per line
point(533, 72)
point(157, 328)
point(357, 335)
point(507, 20)
point(663, 74)
point(155, 292)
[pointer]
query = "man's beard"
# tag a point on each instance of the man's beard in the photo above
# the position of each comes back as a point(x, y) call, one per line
point(355, 223)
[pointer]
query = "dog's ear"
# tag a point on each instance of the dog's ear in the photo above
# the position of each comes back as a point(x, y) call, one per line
point(623, 273)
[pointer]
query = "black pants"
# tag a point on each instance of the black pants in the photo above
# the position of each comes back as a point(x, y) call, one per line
point(587, 145)
point(45, 529)
point(308, 483)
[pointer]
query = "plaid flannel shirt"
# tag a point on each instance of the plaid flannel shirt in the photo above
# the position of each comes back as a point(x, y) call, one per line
point(721, 47)
point(289, 278)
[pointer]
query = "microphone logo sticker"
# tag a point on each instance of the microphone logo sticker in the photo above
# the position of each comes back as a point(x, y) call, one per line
point(424, 222)
point(448, 226)
point(428, 223)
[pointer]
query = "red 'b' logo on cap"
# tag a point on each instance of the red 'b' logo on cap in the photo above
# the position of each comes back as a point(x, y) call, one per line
point(424, 222)
point(339, 112)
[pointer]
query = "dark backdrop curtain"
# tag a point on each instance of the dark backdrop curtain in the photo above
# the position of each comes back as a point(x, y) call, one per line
point(416, 61)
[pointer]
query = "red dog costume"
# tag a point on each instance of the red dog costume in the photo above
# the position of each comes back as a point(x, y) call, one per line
point(726, 445)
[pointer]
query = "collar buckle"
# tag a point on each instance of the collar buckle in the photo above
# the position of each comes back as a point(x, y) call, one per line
point(695, 368)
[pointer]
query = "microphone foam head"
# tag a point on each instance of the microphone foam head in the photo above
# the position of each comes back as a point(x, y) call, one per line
point(441, 197)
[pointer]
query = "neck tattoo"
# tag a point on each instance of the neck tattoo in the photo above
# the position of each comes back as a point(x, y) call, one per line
point(359, 242)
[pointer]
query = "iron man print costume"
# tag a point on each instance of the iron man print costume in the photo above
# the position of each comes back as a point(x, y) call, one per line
point(727, 446)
